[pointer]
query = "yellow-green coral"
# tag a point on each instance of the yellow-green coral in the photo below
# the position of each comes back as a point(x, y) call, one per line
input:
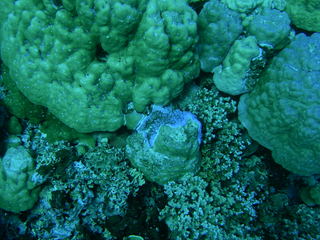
point(87, 60)
point(304, 14)
point(233, 76)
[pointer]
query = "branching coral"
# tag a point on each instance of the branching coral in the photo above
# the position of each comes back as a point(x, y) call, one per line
point(92, 190)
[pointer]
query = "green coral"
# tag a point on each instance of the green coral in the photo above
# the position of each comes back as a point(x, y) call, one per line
point(189, 212)
point(221, 158)
point(274, 4)
point(90, 191)
point(16, 103)
point(51, 158)
point(14, 126)
point(304, 14)
point(311, 195)
point(224, 138)
point(165, 145)
point(282, 112)
point(197, 209)
point(146, 51)
point(194, 1)
point(229, 184)
point(281, 218)
point(18, 191)
point(242, 6)
point(271, 28)
point(19, 106)
point(100, 56)
point(55, 131)
point(219, 27)
point(236, 73)
point(302, 222)
point(210, 107)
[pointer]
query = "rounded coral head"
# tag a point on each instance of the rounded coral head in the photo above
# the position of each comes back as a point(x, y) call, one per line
point(166, 145)
point(86, 62)
point(282, 113)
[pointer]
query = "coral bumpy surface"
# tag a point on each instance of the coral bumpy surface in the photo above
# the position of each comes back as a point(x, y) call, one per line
point(98, 56)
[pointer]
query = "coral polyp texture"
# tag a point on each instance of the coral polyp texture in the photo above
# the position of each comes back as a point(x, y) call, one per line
point(159, 119)
point(219, 27)
point(271, 28)
point(86, 60)
point(17, 190)
point(242, 6)
point(234, 75)
point(166, 145)
point(305, 14)
point(282, 113)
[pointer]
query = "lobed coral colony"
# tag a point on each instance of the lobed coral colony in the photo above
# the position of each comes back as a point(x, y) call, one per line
point(159, 119)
